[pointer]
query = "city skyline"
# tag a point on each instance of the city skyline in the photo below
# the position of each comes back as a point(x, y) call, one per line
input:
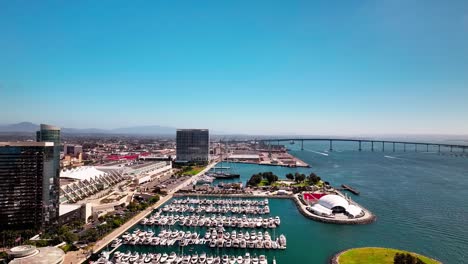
point(246, 67)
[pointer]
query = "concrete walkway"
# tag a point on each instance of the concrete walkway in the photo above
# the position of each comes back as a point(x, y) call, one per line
point(74, 257)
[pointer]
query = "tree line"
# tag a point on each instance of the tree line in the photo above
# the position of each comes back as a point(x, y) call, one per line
point(406, 258)
point(312, 179)
point(256, 179)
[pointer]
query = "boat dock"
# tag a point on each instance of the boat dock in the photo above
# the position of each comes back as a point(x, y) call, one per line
point(350, 189)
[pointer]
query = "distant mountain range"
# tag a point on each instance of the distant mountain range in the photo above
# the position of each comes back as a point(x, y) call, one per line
point(28, 127)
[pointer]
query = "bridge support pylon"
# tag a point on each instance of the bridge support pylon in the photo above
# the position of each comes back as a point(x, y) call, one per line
point(393, 146)
point(269, 149)
point(427, 147)
point(451, 148)
point(439, 148)
point(331, 145)
point(383, 146)
point(302, 144)
point(372, 146)
point(360, 149)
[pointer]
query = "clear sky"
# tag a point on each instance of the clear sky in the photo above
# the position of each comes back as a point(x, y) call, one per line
point(270, 67)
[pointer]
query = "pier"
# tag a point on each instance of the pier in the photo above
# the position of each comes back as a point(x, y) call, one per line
point(349, 188)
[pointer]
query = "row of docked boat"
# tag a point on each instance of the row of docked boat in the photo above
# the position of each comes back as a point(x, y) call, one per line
point(221, 201)
point(173, 258)
point(235, 239)
point(224, 209)
point(217, 237)
point(164, 238)
point(212, 221)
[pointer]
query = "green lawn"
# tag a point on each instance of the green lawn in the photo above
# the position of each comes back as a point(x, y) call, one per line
point(264, 182)
point(194, 170)
point(300, 184)
point(376, 256)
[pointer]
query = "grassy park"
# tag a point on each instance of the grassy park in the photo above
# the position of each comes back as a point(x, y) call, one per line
point(376, 256)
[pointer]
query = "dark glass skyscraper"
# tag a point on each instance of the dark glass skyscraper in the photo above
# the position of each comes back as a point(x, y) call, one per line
point(193, 145)
point(48, 133)
point(27, 185)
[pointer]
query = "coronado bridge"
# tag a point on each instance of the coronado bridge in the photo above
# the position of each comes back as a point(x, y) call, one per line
point(374, 143)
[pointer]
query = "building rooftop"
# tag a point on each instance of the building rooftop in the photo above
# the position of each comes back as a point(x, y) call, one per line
point(31, 255)
point(192, 129)
point(82, 173)
point(49, 127)
point(244, 156)
point(27, 144)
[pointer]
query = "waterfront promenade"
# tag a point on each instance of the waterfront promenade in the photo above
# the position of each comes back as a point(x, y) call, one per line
point(74, 257)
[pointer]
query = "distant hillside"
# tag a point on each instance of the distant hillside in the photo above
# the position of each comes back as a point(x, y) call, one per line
point(139, 130)
point(20, 127)
point(160, 130)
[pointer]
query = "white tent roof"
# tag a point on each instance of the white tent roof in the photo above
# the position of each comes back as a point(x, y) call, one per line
point(354, 210)
point(82, 173)
point(331, 200)
point(319, 209)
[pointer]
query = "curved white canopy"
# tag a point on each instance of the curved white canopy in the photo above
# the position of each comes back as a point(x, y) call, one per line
point(331, 200)
point(82, 173)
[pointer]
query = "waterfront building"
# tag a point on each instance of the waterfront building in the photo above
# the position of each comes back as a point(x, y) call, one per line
point(148, 171)
point(79, 183)
point(253, 158)
point(70, 213)
point(27, 185)
point(192, 145)
point(332, 204)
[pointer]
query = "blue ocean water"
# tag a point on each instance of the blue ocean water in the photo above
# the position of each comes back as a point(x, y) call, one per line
point(420, 199)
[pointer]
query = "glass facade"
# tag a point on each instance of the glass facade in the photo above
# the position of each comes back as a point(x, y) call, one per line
point(51, 196)
point(193, 145)
point(25, 172)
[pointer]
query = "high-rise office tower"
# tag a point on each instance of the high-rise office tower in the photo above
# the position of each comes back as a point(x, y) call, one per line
point(48, 133)
point(193, 145)
point(27, 185)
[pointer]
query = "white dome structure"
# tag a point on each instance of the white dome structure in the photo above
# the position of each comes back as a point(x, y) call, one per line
point(331, 201)
point(332, 204)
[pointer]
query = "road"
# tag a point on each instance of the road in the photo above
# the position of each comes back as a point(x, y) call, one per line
point(74, 257)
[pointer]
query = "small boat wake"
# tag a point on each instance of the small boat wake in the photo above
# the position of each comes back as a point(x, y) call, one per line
point(320, 153)
point(392, 157)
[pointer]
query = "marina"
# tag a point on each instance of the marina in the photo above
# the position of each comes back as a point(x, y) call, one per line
point(173, 258)
point(315, 242)
point(191, 224)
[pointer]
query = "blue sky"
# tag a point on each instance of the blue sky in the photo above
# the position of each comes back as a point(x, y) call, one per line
point(269, 67)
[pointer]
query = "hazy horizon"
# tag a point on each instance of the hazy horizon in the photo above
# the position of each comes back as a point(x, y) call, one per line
point(248, 67)
point(114, 131)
